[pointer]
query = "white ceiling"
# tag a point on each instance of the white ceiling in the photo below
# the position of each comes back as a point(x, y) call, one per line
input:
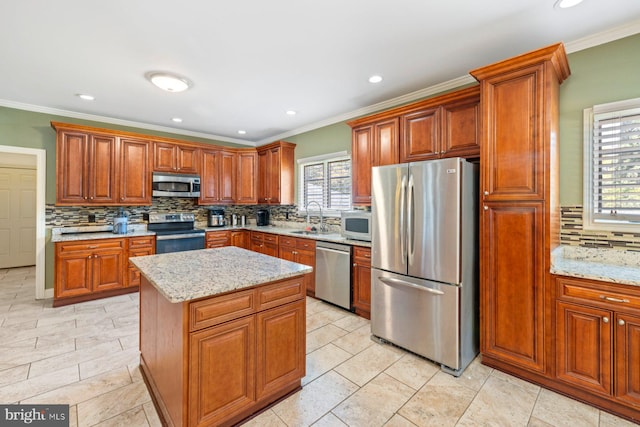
point(251, 60)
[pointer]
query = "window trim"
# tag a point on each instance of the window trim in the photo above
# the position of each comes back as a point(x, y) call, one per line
point(336, 156)
point(588, 221)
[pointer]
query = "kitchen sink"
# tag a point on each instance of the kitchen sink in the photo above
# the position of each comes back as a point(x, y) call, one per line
point(304, 232)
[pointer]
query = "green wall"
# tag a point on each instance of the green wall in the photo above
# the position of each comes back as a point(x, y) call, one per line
point(605, 73)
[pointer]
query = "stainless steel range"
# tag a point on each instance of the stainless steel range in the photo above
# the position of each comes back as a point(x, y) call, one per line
point(175, 232)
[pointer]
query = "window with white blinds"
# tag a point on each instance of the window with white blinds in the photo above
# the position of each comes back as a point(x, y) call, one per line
point(325, 180)
point(612, 166)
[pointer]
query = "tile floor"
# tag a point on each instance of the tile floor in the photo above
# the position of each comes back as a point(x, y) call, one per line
point(86, 355)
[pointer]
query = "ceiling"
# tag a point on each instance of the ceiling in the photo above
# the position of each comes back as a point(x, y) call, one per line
point(252, 60)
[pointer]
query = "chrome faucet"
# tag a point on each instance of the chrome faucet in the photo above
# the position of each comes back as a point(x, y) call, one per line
point(322, 226)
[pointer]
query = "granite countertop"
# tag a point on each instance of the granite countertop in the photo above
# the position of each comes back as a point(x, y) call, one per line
point(189, 275)
point(608, 265)
point(93, 232)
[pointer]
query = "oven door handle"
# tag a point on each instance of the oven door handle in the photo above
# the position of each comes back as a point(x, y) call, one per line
point(178, 236)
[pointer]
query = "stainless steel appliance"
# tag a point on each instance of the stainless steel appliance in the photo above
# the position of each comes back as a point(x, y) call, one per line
point(262, 217)
point(424, 276)
point(175, 185)
point(215, 218)
point(120, 222)
point(356, 225)
point(175, 232)
point(333, 273)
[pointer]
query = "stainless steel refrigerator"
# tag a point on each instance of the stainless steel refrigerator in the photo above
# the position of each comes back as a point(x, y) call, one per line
point(424, 276)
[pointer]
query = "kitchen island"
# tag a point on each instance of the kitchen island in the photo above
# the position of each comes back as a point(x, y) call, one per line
point(222, 333)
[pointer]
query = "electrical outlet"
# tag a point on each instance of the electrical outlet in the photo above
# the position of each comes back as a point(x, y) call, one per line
point(92, 217)
point(286, 215)
point(145, 217)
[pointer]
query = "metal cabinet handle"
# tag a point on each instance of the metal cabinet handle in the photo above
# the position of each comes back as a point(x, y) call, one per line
point(605, 319)
point(91, 247)
point(621, 322)
point(612, 299)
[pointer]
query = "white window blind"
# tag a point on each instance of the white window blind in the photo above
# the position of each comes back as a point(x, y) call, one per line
point(613, 157)
point(326, 180)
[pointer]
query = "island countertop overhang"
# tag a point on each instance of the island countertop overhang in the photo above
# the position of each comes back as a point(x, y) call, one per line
point(191, 275)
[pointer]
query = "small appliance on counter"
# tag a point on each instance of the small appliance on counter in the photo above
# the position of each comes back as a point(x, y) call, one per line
point(215, 218)
point(120, 222)
point(262, 217)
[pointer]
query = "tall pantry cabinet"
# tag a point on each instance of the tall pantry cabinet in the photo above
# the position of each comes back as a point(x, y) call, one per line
point(520, 207)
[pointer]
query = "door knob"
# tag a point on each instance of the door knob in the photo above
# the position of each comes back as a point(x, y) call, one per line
point(605, 319)
point(621, 322)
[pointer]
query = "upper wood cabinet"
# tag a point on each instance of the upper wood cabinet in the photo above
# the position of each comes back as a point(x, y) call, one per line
point(276, 175)
point(218, 177)
point(246, 177)
point(361, 162)
point(169, 157)
point(134, 172)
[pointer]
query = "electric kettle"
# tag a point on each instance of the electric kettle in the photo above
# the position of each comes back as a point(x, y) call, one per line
point(120, 222)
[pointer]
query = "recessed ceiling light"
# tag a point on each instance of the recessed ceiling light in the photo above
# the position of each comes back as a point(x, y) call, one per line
point(169, 82)
point(85, 97)
point(564, 4)
point(375, 79)
point(177, 119)
point(291, 113)
point(242, 132)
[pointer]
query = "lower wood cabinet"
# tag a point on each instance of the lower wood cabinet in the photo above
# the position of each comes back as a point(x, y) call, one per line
point(302, 251)
point(264, 243)
point(361, 280)
point(217, 239)
point(139, 246)
point(241, 239)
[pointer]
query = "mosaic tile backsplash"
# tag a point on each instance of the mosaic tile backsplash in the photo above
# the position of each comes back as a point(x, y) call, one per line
point(571, 233)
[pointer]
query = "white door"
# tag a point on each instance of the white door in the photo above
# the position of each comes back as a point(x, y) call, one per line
point(17, 217)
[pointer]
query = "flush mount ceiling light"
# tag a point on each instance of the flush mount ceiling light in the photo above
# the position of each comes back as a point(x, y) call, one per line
point(177, 119)
point(85, 97)
point(565, 4)
point(169, 82)
point(375, 79)
point(291, 113)
point(242, 132)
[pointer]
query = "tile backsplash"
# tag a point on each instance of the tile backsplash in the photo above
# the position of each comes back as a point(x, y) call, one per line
point(571, 233)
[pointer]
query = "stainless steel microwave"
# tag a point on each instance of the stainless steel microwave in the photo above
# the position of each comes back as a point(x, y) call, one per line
point(175, 185)
point(356, 225)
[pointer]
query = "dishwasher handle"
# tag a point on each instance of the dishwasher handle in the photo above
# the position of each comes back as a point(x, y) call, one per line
point(337, 251)
point(397, 282)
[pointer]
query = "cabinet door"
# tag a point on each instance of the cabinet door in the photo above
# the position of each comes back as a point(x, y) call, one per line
point(72, 159)
point(627, 351)
point(108, 270)
point(512, 283)
point(135, 177)
point(133, 278)
point(187, 159)
point(461, 129)
point(227, 177)
point(221, 371)
point(584, 340)
point(74, 274)
point(420, 135)
point(209, 189)
point(164, 157)
point(273, 175)
point(308, 258)
point(103, 182)
point(362, 161)
point(362, 282)
point(386, 150)
point(246, 191)
point(240, 239)
point(281, 347)
point(263, 177)
point(287, 253)
point(513, 128)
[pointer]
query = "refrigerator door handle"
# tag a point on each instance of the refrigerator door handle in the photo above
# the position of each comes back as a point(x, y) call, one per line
point(397, 282)
point(403, 224)
point(410, 225)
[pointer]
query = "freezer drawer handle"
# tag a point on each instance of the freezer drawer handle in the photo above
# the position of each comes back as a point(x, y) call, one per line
point(397, 282)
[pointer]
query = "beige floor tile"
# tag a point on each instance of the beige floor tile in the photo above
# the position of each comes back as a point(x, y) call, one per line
point(14, 375)
point(399, 421)
point(435, 405)
point(561, 411)
point(356, 341)
point(369, 363)
point(152, 415)
point(133, 417)
point(323, 360)
point(351, 322)
point(266, 419)
point(329, 420)
point(112, 403)
point(412, 370)
point(609, 420)
point(109, 362)
point(535, 422)
point(73, 357)
point(517, 381)
point(319, 319)
point(84, 390)
point(315, 400)
point(34, 386)
point(375, 403)
point(130, 341)
point(500, 403)
point(73, 416)
point(323, 336)
point(473, 377)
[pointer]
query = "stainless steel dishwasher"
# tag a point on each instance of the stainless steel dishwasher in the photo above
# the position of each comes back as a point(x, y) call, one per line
point(333, 273)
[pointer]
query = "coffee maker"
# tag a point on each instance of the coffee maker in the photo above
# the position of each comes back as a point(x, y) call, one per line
point(262, 217)
point(215, 218)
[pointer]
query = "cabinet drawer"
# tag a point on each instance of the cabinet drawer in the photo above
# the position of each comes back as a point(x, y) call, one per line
point(306, 244)
point(270, 238)
point(213, 311)
point(362, 254)
point(90, 245)
point(138, 242)
point(257, 236)
point(288, 241)
point(280, 293)
point(587, 291)
point(140, 252)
